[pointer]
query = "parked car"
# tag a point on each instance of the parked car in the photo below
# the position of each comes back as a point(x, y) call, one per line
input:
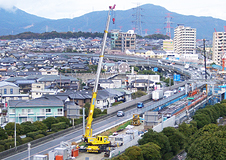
point(140, 105)
point(120, 114)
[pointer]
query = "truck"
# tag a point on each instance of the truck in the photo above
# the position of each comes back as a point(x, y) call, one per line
point(99, 143)
point(168, 94)
point(186, 66)
point(157, 94)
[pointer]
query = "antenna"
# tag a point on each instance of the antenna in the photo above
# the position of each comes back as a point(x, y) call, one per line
point(168, 22)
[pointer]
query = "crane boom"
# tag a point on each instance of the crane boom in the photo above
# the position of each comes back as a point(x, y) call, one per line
point(88, 129)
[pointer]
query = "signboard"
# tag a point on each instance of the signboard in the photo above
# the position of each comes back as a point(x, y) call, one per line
point(155, 69)
point(176, 77)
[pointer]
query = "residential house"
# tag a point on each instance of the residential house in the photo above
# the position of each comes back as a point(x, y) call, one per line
point(35, 110)
point(51, 71)
point(142, 84)
point(10, 91)
point(38, 90)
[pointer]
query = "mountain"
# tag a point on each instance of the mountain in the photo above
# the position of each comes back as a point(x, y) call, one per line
point(152, 18)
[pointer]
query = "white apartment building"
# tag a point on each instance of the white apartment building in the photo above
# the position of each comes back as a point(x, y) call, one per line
point(184, 40)
point(219, 47)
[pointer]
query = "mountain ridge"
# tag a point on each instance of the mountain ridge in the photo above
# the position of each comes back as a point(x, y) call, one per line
point(154, 18)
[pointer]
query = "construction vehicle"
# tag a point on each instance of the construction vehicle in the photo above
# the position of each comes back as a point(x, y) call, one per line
point(100, 143)
point(136, 120)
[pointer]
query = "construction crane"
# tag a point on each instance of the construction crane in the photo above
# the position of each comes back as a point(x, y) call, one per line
point(100, 143)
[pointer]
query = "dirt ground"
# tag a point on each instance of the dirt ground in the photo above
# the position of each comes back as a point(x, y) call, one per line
point(93, 156)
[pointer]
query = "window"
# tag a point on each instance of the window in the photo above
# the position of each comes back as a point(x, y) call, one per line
point(30, 110)
point(12, 111)
point(98, 101)
point(60, 111)
point(36, 93)
point(38, 87)
point(24, 111)
point(48, 110)
point(5, 91)
point(11, 91)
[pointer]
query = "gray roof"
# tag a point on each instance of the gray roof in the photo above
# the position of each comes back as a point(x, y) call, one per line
point(4, 83)
point(38, 102)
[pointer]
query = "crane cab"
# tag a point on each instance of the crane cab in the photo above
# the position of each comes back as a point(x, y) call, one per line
point(99, 140)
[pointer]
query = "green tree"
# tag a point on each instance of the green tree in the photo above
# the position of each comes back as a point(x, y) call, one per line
point(206, 130)
point(121, 157)
point(28, 127)
point(40, 126)
point(3, 134)
point(176, 139)
point(187, 129)
point(202, 120)
point(63, 119)
point(158, 138)
point(9, 128)
point(134, 153)
point(138, 94)
point(49, 121)
point(151, 151)
point(207, 147)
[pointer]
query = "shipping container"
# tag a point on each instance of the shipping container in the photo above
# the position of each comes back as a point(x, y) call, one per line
point(62, 151)
point(40, 157)
point(157, 94)
point(123, 139)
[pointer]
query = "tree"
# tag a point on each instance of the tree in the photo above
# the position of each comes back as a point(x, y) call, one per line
point(151, 151)
point(121, 157)
point(206, 130)
point(176, 139)
point(138, 94)
point(158, 138)
point(207, 147)
point(28, 127)
point(3, 134)
point(9, 128)
point(187, 129)
point(134, 153)
point(40, 125)
point(49, 121)
point(63, 119)
point(201, 119)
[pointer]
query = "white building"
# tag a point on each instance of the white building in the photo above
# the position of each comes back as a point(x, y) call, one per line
point(38, 90)
point(184, 40)
point(219, 47)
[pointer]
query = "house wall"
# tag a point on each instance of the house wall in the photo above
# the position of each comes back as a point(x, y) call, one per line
point(33, 114)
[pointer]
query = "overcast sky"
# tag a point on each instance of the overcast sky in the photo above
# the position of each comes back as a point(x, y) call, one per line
point(57, 9)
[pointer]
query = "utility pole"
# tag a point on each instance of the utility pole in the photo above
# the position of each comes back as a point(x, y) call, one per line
point(204, 50)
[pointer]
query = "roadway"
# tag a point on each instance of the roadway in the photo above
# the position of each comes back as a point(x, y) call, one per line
point(97, 128)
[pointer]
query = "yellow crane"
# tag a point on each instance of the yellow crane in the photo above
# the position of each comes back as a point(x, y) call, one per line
point(99, 143)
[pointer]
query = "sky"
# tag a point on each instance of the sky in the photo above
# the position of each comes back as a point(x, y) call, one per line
point(58, 9)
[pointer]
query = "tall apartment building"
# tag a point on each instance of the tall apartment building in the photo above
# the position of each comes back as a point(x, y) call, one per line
point(219, 47)
point(123, 40)
point(184, 40)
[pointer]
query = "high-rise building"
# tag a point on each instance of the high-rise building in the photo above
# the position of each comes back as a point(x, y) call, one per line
point(219, 47)
point(123, 41)
point(184, 40)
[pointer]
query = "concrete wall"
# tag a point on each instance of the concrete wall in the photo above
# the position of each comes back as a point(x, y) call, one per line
point(170, 122)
